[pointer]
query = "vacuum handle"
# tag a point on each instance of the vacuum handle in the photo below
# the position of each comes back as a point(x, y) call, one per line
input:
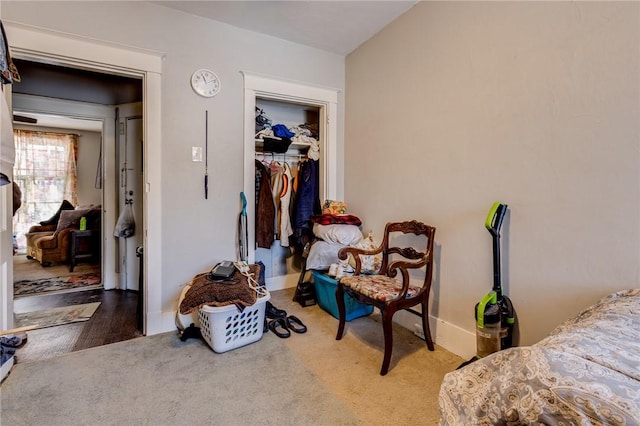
point(493, 224)
point(495, 217)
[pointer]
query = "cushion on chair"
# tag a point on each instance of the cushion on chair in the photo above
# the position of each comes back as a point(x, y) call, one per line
point(54, 219)
point(71, 219)
point(378, 287)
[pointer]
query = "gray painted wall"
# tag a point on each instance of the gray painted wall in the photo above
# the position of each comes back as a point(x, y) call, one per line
point(534, 104)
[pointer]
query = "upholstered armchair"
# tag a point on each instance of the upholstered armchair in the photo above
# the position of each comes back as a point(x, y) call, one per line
point(49, 244)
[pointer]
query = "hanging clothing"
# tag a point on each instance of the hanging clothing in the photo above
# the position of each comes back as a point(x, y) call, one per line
point(308, 192)
point(265, 209)
point(307, 201)
point(293, 197)
point(277, 171)
point(286, 229)
point(8, 71)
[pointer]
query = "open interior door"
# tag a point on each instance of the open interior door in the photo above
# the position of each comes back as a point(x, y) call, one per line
point(130, 190)
point(7, 158)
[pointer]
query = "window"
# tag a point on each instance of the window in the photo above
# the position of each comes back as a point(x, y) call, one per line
point(45, 171)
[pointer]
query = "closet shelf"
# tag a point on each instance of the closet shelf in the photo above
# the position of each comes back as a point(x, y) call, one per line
point(295, 146)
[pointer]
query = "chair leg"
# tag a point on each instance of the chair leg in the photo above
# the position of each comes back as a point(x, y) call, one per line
point(387, 328)
point(426, 330)
point(342, 311)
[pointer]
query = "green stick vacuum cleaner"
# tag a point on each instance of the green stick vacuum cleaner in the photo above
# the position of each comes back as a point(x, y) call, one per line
point(495, 317)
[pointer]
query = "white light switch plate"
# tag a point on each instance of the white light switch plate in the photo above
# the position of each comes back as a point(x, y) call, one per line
point(196, 154)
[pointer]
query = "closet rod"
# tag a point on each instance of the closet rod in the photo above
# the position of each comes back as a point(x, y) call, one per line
point(274, 156)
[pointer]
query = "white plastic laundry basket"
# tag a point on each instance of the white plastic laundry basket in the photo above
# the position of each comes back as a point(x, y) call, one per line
point(225, 327)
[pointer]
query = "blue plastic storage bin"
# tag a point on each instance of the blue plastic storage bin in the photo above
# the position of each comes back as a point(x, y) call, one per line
point(326, 298)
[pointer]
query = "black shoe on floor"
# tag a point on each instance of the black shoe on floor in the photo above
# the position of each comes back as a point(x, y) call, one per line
point(279, 328)
point(295, 325)
point(272, 312)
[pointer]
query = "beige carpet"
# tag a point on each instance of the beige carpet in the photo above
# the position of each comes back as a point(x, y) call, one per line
point(407, 395)
point(273, 381)
point(159, 380)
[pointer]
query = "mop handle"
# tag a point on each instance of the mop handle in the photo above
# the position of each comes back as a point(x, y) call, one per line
point(244, 204)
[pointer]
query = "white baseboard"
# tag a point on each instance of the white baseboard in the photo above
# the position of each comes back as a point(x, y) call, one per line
point(282, 282)
point(161, 322)
point(451, 337)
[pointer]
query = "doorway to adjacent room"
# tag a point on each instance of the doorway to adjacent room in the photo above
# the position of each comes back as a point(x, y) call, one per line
point(114, 265)
point(37, 44)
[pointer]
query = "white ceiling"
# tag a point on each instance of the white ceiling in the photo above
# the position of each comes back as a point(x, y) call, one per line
point(335, 26)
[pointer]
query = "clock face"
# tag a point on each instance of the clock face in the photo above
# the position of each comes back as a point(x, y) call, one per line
point(205, 83)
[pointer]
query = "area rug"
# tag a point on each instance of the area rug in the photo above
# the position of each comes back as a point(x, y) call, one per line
point(58, 284)
point(57, 316)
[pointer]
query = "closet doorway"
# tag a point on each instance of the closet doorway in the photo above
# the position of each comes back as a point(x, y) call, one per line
point(261, 90)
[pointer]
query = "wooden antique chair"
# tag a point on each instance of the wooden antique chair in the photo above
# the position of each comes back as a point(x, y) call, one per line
point(392, 289)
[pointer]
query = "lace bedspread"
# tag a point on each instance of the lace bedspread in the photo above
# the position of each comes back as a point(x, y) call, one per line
point(587, 372)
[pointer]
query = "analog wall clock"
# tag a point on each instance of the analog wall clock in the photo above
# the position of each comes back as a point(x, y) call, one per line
point(205, 83)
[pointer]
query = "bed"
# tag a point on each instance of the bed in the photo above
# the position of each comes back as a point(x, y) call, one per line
point(587, 372)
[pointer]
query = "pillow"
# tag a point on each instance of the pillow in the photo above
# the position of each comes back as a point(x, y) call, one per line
point(322, 254)
point(88, 206)
point(341, 234)
point(71, 219)
point(334, 207)
point(370, 264)
point(54, 219)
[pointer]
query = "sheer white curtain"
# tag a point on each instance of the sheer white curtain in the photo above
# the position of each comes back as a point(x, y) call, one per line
point(45, 171)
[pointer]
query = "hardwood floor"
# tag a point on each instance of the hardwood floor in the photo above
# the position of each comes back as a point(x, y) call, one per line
point(114, 321)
